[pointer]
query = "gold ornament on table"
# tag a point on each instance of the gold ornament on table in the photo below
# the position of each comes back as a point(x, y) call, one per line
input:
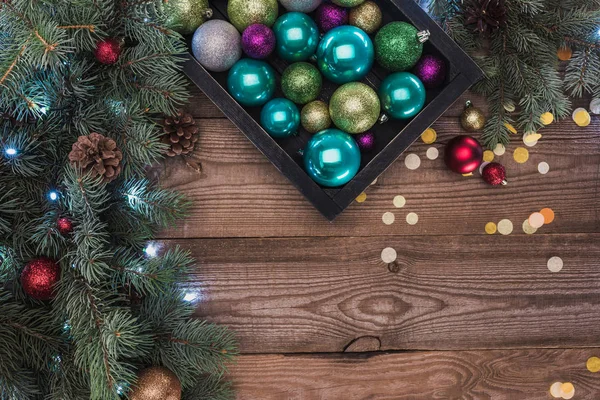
point(156, 383)
point(472, 119)
point(181, 133)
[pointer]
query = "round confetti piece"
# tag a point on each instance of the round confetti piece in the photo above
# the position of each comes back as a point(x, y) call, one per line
point(581, 117)
point(595, 106)
point(412, 218)
point(564, 53)
point(482, 166)
point(388, 255)
point(547, 118)
point(548, 215)
point(412, 161)
point(429, 136)
point(531, 139)
point(527, 228)
point(388, 218)
point(555, 390)
point(521, 155)
point(488, 156)
point(361, 197)
point(566, 388)
point(490, 228)
point(509, 106)
point(555, 264)
point(568, 396)
point(432, 153)
point(505, 227)
point(543, 168)
point(536, 220)
point(510, 128)
point(499, 149)
point(399, 201)
point(374, 182)
point(593, 364)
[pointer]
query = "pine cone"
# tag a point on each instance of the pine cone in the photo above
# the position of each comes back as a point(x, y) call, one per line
point(486, 15)
point(181, 133)
point(97, 154)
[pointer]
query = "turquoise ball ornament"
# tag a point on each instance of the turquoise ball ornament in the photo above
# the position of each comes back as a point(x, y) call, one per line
point(297, 36)
point(345, 54)
point(280, 118)
point(251, 82)
point(402, 95)
point(332, 158)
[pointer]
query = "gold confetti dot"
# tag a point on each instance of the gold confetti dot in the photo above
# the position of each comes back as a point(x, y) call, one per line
point(388, 218)
point(521, 155)
point(488, 156)
point(510, 128)
point(505, 227)
point(543, 168)
point(399, 201)
point(429, 136)
point(555, 264)
point(432, 153)
point(547, 118)
point(361, 197)
point(555, 390)
point(388, 255)
point(548, 215)
point(527, 228)
point(568, 396)
point(412, 161)
point(467, 175)
point(499, 149)
point(412, 218)
point(509, 106)
point(531, 139)
point(490, 228)
point(536, 220)
point(593, 364)
point(581, 117)
point(567, 390)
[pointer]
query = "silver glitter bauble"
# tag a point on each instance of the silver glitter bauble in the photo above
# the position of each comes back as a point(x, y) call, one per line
point(217, 45)
point(304, 6)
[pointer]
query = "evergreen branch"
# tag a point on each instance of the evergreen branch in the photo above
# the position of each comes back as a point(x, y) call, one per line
point(91, 28)
point(13, 64)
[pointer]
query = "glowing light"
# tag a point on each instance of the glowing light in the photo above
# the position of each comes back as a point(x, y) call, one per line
point(151, 250)
point(10, 151)
point(191, 295)
point(43, 110)
point(140, 269)
point(53, 195)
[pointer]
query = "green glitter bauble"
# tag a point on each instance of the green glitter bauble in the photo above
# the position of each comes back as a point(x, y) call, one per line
point(243, 13)
point(397, 46)
point(184, 16)
point(366, 16)
point(301, 82)
point(314, 116)
point(348, 3)
point(354, 107)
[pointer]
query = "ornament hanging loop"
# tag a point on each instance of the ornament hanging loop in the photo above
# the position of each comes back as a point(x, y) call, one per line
point(423, 36)
point(383, 118)
point(207, 13)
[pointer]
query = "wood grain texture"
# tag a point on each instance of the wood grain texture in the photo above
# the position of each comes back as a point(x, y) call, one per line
point(446, 292)
point(467, 375)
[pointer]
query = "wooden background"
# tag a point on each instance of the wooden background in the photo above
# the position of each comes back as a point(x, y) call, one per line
point(461, 315)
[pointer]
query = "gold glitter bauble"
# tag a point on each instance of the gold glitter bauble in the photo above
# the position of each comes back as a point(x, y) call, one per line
point(315, 116)
point(243, 13)
point(472, 119)
point(366, 16)
point(156, 383)
point(354, 107)
point(184, 16)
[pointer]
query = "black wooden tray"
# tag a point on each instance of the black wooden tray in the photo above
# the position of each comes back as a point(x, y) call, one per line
point(392, 137)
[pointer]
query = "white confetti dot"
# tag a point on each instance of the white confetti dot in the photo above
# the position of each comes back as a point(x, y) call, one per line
point(399, 201)
point(555, 264)
point(388, 255)
point(595, 106)
point(388, 218)
point(499, 149)
point(374, 182)
point(568, 396)
point(527, 228)
point(505, 227)
point(555, 390)
point(536, 220)
point(412, 218)
point(433, 153)
point(412, 161)
point(543, 168)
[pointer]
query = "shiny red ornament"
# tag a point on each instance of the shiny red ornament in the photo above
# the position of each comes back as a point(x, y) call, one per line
point(494, 174)
point(463, 154)
point(64, 225)
point(108, 51)
point(39, 277)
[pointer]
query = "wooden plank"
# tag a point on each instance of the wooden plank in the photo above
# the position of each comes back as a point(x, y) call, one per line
point(468, 375)
point(444, 292)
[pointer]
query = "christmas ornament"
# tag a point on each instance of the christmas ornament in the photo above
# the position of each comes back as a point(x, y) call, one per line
point(463, 154)
point(301, 82)
point(297, 36)
point(280, 118)
point(564, 53)
point(399, 45)
point(180, 133)
point(365, 141)
point(156, 383)
point(345, 54)
point(402, 95)
point(329, 16)
point(472, 118)
point(348, 3)
point(486, 15)
point(494, 174)
point(258, 41)
point(331, 158)
point(39, 277)
point(354, 107)
point(108, 51)
point(243, 13)
point(251, 82)
point(366, 16)
point(431, 70)
point(184, 16)
point(64, 225)
point(315, 116)
point(304, 6)
point(217, 45)
point(97, 155)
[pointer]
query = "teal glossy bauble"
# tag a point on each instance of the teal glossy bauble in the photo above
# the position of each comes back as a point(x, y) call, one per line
point(345, 54)
point(251, 82)
point(280, 118)
point(402, 95)
point(297, 36)
point(332, 158)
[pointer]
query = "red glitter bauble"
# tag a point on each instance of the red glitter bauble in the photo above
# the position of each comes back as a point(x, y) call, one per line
point(39, 277)
point(494, 174)
point(463, 154)
point(64, 225)
point(108, 51)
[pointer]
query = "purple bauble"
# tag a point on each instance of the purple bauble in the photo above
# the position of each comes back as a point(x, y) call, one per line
point(431, 70)
point(365, 141)
point(258, 41)
point(329, 16)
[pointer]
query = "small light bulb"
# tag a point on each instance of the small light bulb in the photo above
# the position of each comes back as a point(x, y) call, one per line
point(191, 295)
point(151, 250)
point(10, 151)
point(52, 195)
point(43, 110)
